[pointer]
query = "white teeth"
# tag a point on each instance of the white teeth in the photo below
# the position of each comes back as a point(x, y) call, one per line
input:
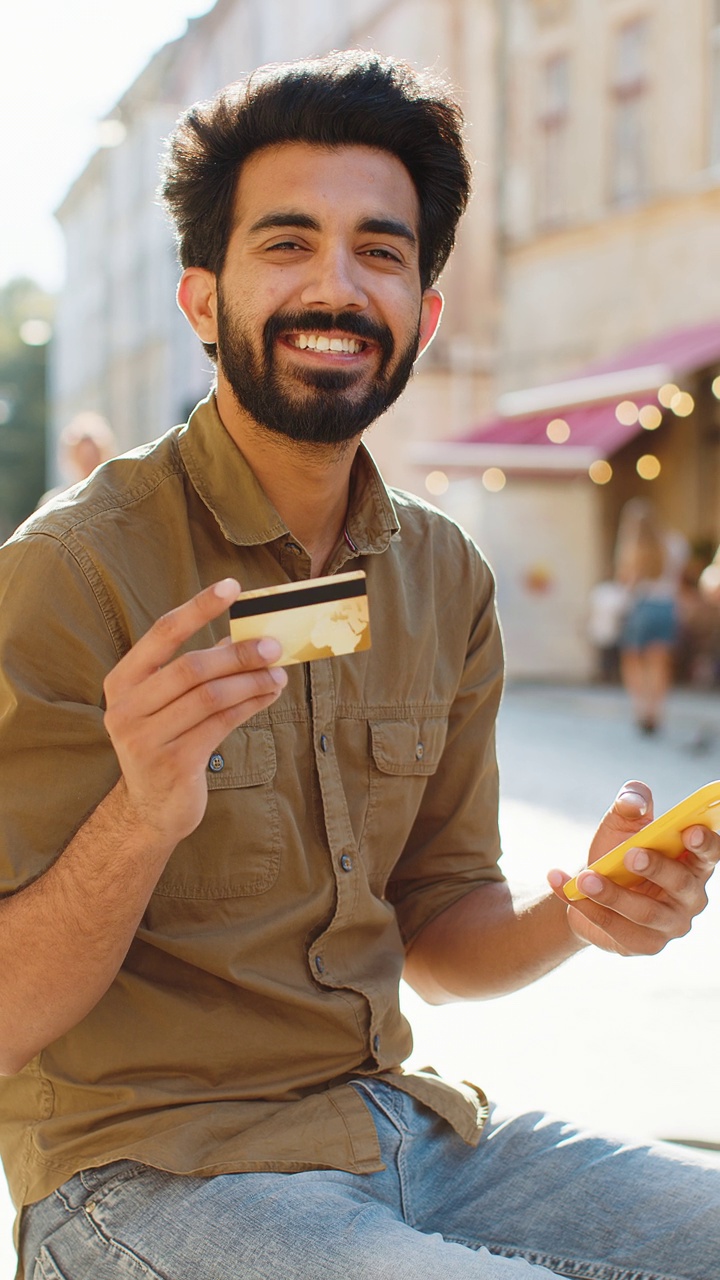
point(320, 342)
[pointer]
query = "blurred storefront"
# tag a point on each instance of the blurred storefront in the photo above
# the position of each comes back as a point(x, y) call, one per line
point(542, 484)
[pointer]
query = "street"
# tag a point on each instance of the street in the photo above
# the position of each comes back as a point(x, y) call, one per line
point(632, 1046)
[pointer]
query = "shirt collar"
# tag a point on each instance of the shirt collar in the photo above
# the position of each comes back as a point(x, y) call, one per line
point(227, 485)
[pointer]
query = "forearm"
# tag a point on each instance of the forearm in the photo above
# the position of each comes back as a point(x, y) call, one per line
point(488, 944)
point(64, 937)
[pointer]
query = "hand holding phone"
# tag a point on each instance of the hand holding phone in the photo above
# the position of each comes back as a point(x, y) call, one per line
point(702, 808)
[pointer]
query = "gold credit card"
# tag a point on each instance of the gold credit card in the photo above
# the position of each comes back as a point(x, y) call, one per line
point(320, 618)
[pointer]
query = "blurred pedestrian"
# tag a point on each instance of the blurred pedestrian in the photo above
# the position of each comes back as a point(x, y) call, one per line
point(86, 442)
point(648, 564)
point(607, 606)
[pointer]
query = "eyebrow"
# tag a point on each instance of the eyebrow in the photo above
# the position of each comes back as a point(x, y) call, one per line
point(304, 222)
point(300, 220)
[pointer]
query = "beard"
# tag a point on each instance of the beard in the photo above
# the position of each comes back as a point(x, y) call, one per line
point(331, 406)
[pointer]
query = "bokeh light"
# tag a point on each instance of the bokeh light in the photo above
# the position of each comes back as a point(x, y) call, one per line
point(35, 333)
point(666, 394)
point(437, 482)
point(716, 387)
point(648, 467)
point(557, 431)
point(650, 417)
point(627, 413)
point(600, 471)
point(682, 404)
point(111, 133)
point(494, 479)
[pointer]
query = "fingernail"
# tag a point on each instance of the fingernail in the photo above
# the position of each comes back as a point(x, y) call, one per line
point(591, 884)
point(695, 838)
point(269, 648)
point(637, 860)
point(555, 879)
point(279, 675)
point(228, 589)
point(635, 798)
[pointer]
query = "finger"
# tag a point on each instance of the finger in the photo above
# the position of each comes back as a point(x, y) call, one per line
point(139, 732)
point(557, 880)
point(703, 844)
point(630, 811)
point(212, 699)
point(199, 743)
point(634, 802)
point(602, 928)
point(669, 912)
point(677, 877)
point(203, 666)
point(168, 632)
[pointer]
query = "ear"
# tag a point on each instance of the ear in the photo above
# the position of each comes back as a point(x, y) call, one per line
point(197, 299)
point(431, 310)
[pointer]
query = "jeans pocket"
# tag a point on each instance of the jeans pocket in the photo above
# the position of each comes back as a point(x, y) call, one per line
point(46, 1269)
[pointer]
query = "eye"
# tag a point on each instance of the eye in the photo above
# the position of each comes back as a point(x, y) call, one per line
point(387, 255)
point(285, 246)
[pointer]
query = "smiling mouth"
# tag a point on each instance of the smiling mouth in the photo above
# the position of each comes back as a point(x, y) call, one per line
point(324, 343)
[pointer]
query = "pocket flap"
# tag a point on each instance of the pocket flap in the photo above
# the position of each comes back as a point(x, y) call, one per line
point(406, 747)
point(245, 759)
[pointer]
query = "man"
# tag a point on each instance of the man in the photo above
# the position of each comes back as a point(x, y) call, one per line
point(224, 866)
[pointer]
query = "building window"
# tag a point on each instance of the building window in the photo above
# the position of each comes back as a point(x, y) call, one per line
point(629, 113)
point(715, 84)
point(553, 125)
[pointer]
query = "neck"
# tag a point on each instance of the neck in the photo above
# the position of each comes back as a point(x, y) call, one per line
point(309, 485)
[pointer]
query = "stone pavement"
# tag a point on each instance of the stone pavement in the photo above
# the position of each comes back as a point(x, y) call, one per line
point(627, 1045)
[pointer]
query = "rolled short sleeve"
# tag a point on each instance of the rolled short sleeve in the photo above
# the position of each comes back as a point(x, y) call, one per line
point(455, 845)
point(56, 760)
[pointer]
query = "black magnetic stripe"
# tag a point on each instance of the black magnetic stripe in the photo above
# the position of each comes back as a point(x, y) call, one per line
point(296, 599)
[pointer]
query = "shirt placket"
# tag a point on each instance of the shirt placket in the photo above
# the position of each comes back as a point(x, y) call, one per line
point(325, 954)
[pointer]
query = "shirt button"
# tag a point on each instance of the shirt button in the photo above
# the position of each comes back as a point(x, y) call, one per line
point(376, 1044)
point(346, 862)
point(319, 964)
point(324, 742)
point(216, 763)
point(293, 546)
point(419, 751)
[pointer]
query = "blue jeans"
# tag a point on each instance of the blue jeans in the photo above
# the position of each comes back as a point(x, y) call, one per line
point(536, 1199)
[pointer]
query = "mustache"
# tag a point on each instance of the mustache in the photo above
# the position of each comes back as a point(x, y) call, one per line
point(320, 322)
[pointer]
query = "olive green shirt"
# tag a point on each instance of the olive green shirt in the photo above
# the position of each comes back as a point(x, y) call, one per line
point(264, 974)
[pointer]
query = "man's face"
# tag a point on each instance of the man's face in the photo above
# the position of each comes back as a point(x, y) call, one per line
point(319, 309)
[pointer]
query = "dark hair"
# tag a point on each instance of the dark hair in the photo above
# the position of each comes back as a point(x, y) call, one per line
point(345, 98)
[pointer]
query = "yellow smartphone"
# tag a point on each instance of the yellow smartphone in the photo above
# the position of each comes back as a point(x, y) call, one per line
point(702, 808)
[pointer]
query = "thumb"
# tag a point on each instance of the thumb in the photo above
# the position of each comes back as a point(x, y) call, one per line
point(630, 811)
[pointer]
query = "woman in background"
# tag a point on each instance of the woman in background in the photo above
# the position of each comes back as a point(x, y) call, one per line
point(648, 563)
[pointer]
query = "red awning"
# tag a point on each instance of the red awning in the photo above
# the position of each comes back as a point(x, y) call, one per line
point(587, 403)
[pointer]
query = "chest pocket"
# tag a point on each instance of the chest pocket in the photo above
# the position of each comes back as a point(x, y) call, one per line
point(404, 753)
point(235, 852)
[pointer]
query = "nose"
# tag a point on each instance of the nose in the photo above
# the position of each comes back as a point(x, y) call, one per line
point(334, 281)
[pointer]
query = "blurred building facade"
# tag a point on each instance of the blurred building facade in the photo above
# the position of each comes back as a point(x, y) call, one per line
point(590, 252)
point(609, 252)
